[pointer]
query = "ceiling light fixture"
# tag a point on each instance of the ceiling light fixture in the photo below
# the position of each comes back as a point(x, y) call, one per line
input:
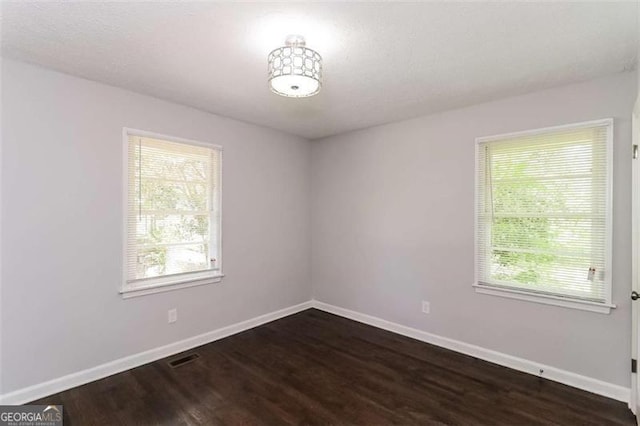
point(294, 69)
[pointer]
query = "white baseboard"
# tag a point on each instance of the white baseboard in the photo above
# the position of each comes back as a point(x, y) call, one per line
point(31, 393)
point(589, 384)
point(60, 384)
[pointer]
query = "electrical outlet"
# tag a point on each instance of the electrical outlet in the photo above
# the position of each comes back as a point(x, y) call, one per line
point(426, 307)
point(173, 315)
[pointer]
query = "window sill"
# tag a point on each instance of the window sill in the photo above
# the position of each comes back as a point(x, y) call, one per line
point(601, 308)
point(129, 291)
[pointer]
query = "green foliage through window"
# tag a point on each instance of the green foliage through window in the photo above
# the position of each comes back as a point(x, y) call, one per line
point(173, 197)
point(542, 212)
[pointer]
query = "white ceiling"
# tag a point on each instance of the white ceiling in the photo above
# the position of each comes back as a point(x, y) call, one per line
point(382, 61)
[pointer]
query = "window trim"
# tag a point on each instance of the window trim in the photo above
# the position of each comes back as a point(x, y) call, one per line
point(174, 281)
point(555, 300)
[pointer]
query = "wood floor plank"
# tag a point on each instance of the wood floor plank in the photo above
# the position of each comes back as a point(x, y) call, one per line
point(314, 368)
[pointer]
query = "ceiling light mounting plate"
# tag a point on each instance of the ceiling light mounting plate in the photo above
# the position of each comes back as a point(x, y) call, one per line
point(295, 40)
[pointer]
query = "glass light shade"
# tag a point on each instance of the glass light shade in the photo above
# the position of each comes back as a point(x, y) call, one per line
point(295, 70)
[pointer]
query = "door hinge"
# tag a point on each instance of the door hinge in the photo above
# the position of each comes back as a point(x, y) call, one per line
point(634, 366)
point(635, 152)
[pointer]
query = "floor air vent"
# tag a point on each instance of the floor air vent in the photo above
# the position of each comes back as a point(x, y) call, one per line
point(183, 360)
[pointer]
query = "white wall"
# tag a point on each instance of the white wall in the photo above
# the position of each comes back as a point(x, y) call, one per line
point(393, 224)
point(62, 225)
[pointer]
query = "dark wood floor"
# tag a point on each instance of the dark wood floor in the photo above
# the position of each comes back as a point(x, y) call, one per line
point(317, 368)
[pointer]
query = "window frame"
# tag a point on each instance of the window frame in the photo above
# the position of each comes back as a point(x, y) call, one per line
point(549, 299)
point(171, 282)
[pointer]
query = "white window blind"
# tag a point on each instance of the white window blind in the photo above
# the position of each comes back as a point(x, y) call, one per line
point(544, 212)
point(173, 214)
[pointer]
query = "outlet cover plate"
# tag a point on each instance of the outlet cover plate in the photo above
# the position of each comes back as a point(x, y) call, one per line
point(173, 315)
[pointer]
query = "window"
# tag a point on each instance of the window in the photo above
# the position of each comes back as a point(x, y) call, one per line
point(543, 218)
point(173, 227)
